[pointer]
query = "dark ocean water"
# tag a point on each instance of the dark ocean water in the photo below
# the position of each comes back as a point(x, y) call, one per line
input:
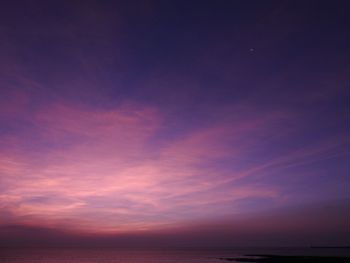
point(110, 255)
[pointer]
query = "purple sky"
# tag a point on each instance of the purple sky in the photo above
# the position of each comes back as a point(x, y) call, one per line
point(162, 120)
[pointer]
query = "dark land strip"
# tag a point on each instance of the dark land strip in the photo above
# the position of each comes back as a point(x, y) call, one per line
point(289, 259)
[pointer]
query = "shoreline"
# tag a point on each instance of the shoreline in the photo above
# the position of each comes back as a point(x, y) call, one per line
point(279, 258)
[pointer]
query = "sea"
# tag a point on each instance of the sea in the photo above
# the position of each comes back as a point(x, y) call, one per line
point(114, 255)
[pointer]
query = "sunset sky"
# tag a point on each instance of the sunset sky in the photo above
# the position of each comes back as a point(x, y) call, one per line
point(166, 119)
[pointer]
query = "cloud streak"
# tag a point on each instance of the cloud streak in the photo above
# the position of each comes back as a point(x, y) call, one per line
point(105, 171)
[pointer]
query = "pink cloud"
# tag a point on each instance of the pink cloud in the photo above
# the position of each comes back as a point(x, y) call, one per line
point(104, 171)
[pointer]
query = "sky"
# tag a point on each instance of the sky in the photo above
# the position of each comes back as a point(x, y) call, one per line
point(174, 122)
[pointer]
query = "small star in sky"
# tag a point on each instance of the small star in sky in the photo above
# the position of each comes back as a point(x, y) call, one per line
point(251, 49)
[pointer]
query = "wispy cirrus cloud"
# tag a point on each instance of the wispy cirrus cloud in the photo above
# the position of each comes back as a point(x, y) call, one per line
point(104, 170)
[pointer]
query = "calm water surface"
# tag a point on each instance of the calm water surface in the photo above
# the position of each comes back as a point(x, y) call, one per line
point(108, 255)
